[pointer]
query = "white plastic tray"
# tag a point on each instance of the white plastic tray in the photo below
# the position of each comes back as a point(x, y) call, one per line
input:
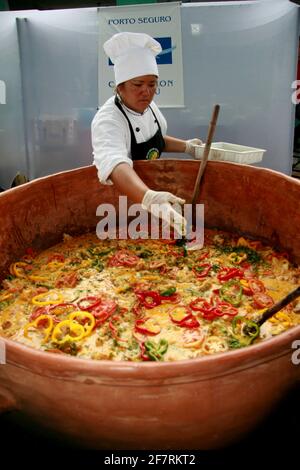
point(232, 153)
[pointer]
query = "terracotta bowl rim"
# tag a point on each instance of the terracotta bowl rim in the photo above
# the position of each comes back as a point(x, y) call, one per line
point(258, 353)
point(162, 161)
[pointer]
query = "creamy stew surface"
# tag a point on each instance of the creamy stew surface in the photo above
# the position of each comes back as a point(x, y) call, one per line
point(147, 300)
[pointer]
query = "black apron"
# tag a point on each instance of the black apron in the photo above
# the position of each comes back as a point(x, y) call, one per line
point(150, 150)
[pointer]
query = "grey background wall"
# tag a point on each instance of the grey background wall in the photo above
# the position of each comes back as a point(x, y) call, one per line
point(244, 58)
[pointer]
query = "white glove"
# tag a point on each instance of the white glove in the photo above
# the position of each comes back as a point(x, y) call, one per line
point(191, 147)
point(166, 206)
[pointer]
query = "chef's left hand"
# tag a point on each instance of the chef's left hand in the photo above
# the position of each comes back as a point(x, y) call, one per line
point(191, 147)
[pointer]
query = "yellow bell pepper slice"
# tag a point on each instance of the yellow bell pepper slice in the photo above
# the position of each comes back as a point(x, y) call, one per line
point(67, 330)
point(36, 300)
point(38, 326)
point(236, 258)
point(55, 265)
point(5, 296)
point(281, 317)
point(16, 269)
point(34, 278)
point(178, 313)
point(81, 317)
point(11, 269)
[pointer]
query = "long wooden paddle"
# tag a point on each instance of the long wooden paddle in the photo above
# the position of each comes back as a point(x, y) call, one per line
point(278, 306)
point(211, 131)
point(272, 310)
point(202, 166)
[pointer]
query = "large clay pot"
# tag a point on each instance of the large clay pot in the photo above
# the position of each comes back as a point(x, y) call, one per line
point(203, 403)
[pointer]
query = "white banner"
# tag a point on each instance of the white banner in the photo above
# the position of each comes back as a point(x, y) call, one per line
point(161, 21)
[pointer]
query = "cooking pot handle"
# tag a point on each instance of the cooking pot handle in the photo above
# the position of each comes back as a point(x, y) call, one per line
point(7, 400)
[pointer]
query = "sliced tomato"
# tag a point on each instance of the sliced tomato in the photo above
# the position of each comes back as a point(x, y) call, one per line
point(256, 286)
point(192, 338)
point(123, 258)
point(262, 300)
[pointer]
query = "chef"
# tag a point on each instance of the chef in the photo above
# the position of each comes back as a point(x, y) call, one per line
point(129, 126)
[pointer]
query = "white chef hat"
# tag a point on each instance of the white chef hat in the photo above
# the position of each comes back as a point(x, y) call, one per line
point(133, 55)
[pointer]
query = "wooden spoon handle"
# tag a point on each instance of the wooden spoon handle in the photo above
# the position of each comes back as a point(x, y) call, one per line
point(278, 306)
point(211, 131)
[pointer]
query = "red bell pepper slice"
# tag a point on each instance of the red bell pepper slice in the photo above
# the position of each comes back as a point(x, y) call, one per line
point(173, 298)
point(61, 309)
point(210, 314)
point(92, 302)
point(214, 308)
point(203, 256)
point(206, 308)
point(114, 330)
point(39, 311)
point(137, 310)
point(202, 270)
point(227, 273)
point(188, 321)
point(148, 299)
point(200, 304)
point(143, 329)
point(50, 309)
point(225, 308)
point(144, 356)
point(177, 254)
point(103, 311)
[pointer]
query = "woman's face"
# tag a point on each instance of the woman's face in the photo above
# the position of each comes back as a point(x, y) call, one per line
point(138, 92)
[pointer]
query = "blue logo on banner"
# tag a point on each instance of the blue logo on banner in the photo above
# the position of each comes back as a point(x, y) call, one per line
point(165, 57)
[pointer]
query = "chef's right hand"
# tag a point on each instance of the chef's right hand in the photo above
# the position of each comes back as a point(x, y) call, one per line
point(163, 204)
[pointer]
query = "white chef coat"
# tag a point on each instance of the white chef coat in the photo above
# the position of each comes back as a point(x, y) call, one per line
point(111, 135)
